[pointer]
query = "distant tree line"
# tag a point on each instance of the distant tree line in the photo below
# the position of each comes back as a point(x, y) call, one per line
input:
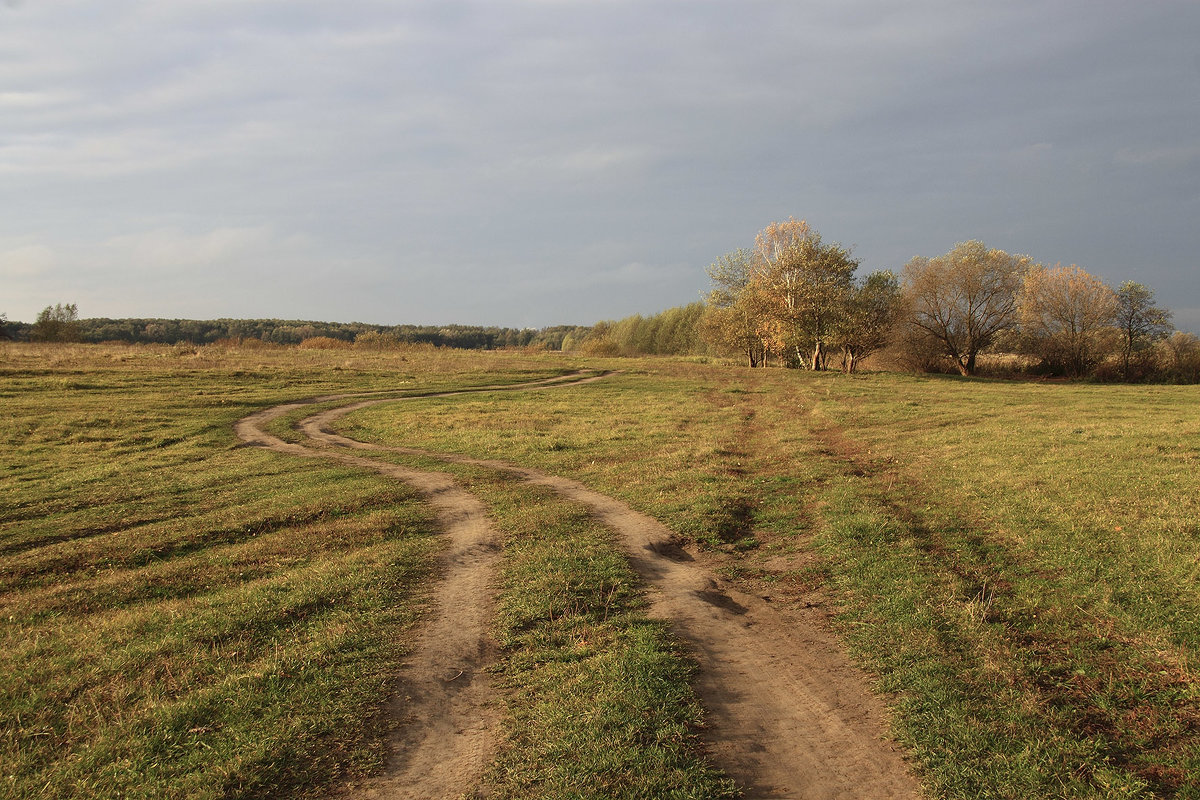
point(792, 300)
point(60, 323)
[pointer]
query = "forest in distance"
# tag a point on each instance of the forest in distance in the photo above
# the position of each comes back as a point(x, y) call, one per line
point(790, 300)
point(294, 332)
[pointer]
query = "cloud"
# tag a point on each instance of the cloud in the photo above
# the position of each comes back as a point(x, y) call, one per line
point(26, 100)
point(238, 271)
point(26, 261)
point(524, 149)
point(180, 251)
point(593, 162)
point(636, 273)
point(1167, 157)
point(101, 156)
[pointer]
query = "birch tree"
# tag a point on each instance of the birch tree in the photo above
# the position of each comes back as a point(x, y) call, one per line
point(807, 284)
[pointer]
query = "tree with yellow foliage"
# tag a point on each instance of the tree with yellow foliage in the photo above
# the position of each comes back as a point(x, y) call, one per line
point(787, 297)
point(735, 317)
point(1068, 317)
point(806, 285)
point(964, 299)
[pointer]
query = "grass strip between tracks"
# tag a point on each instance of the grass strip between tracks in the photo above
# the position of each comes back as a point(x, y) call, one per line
point(599, 696)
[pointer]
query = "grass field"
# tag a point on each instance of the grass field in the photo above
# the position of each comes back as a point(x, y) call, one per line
point(1016, 563)
point(184, 617)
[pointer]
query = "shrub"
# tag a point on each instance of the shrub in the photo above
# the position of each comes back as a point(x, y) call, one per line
point(373, 340)
point(324, 343)
point(1179, 355)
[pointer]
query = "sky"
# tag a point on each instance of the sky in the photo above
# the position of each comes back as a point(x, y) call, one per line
point(527, 163)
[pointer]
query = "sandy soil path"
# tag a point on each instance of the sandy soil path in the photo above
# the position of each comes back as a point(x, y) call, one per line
point(789, 715)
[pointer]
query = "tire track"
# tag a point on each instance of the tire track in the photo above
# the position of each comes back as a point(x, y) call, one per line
point(789, 716)
point(445, 703)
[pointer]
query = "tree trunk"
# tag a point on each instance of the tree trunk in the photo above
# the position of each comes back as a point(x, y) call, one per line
point(799, 358)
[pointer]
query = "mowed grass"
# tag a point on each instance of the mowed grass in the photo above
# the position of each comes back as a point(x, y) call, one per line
point(1051, 539)
point(1016, 562)
point(186, 617)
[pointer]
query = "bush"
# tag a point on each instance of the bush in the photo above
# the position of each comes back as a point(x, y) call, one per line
point(914, 350)
point(324, 343)
point(1006, 365)
point(244, 343)
point(373, 340)
point(601, 346)
point(1179, 355)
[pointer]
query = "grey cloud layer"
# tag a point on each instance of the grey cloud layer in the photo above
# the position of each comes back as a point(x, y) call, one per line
point(535, 162)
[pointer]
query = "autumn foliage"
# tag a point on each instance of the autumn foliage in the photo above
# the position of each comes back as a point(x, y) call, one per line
point(1067, 318)
point(793, 299)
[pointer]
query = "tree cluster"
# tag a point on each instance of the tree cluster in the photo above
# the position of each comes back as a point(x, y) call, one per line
point(794, 299)
point(57, 323)
point(975, 299)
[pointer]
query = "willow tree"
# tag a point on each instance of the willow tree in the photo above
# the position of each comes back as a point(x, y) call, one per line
point(1067, 317)
point(964, 299)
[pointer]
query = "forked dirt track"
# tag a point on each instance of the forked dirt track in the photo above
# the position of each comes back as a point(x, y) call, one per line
point(788, 715)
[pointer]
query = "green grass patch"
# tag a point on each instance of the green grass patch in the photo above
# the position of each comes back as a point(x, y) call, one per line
point(599, 696)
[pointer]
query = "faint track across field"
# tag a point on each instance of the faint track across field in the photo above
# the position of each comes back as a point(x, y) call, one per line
point(788, 715)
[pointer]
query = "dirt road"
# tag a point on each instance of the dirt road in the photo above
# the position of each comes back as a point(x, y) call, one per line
point(789, 716)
